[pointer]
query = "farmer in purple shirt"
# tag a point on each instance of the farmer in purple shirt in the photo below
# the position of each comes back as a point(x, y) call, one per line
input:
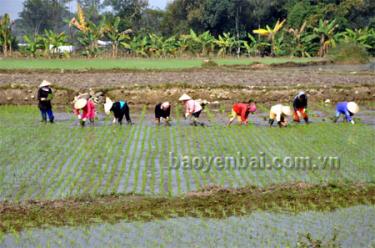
point(348, 109)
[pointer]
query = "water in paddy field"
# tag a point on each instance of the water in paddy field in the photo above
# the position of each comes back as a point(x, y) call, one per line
point(44, 161)
point(353, 227)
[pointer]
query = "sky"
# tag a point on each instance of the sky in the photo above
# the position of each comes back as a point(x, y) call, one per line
point(13, 7)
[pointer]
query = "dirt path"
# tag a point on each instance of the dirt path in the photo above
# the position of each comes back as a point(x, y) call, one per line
point(264, 84)
point(228, 76)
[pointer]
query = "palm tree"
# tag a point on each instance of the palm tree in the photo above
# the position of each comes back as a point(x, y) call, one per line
point(6, 34)
point(111, 31)
point(270, 33)
point(326, 33)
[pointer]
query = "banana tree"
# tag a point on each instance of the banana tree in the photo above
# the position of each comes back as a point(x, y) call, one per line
point(359, 36)
point(111, 31)
point(6, 35)
point(270, 33)
point(254, 46)
point(138, 46)
point(326, 33)
point(207, 41)
point(34, 44)
point(225, 43)
point(170, 46)
point(51, 41)
point(298, 46)
point(89, 33)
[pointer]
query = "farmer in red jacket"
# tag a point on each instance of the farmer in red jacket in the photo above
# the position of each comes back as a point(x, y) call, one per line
point(242, 111)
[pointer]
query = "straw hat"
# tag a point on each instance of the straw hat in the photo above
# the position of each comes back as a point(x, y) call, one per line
point(286, 110)
point(44, 83)
point(84, 96)
point(184, 97)
point(108, 105)
point(353, 107)
point(80, 103)
point(165, 105)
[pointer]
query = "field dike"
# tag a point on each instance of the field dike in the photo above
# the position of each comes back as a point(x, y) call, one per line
point(210, 201)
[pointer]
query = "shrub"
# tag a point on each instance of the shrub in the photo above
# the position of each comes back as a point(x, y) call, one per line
point(349, 53)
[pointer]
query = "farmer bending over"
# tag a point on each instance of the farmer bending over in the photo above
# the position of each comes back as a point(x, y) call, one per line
point(299, 106)
point(192, 108)
point(45, 96)
point(279, 113)
point(241, 111)
point(83, 103)
point(348, 109)
point(119, 109)
point(163, 110)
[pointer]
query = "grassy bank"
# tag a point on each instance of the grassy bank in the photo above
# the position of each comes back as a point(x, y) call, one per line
point(211, 203)
point(134, 63)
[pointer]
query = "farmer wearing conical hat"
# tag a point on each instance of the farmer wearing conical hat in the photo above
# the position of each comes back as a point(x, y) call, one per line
point(299, 106)
point(84, 108)
point(162, 111)
point(45, 96)
point(119, 109)
point(241, 111)
point(193, 108)
point(279, 113)
point(348, 109)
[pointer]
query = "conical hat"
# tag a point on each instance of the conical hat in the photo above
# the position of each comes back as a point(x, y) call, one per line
point(80, 103)
point(108, 105)
point(353, 107)
point(44, 83)
point(286, 110)
point(184, 97)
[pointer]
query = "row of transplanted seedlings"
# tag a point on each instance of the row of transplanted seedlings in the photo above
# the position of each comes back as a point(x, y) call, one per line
point(75, 166)
point(353, 227)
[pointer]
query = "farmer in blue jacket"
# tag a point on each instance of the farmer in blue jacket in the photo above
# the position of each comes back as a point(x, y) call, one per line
point(348, 109)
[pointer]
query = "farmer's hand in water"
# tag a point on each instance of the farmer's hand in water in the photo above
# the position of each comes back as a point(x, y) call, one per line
point(79, 117)
point(186, 115)
point(352, 121)
point(84, 119)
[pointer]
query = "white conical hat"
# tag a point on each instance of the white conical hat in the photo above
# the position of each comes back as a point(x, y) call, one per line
point(286, 110)
point(108, 105)
point(80, 103)
point(353, 107)
point(184, 97)
point(44, 83)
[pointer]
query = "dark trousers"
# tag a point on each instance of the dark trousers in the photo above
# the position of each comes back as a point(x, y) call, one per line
point(119, 115)
point(45, 112)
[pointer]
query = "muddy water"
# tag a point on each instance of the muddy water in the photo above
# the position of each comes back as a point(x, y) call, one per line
point(353, 226)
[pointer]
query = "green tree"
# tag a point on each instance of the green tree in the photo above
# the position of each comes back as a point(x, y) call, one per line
point(39, 15)
point(34, 44)
point(6, 35)
point(130, 11)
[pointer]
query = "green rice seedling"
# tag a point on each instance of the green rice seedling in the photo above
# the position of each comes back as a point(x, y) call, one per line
point(146, 159)
point(135, 150)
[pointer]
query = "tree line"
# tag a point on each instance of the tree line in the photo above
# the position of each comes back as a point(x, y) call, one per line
point(195, 27)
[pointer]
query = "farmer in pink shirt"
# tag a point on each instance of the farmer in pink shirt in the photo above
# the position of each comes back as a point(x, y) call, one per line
point(84, 108)
point(193, 108)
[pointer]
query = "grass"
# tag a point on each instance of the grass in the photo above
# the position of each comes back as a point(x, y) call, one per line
point(133, 63)
point(212, 203)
